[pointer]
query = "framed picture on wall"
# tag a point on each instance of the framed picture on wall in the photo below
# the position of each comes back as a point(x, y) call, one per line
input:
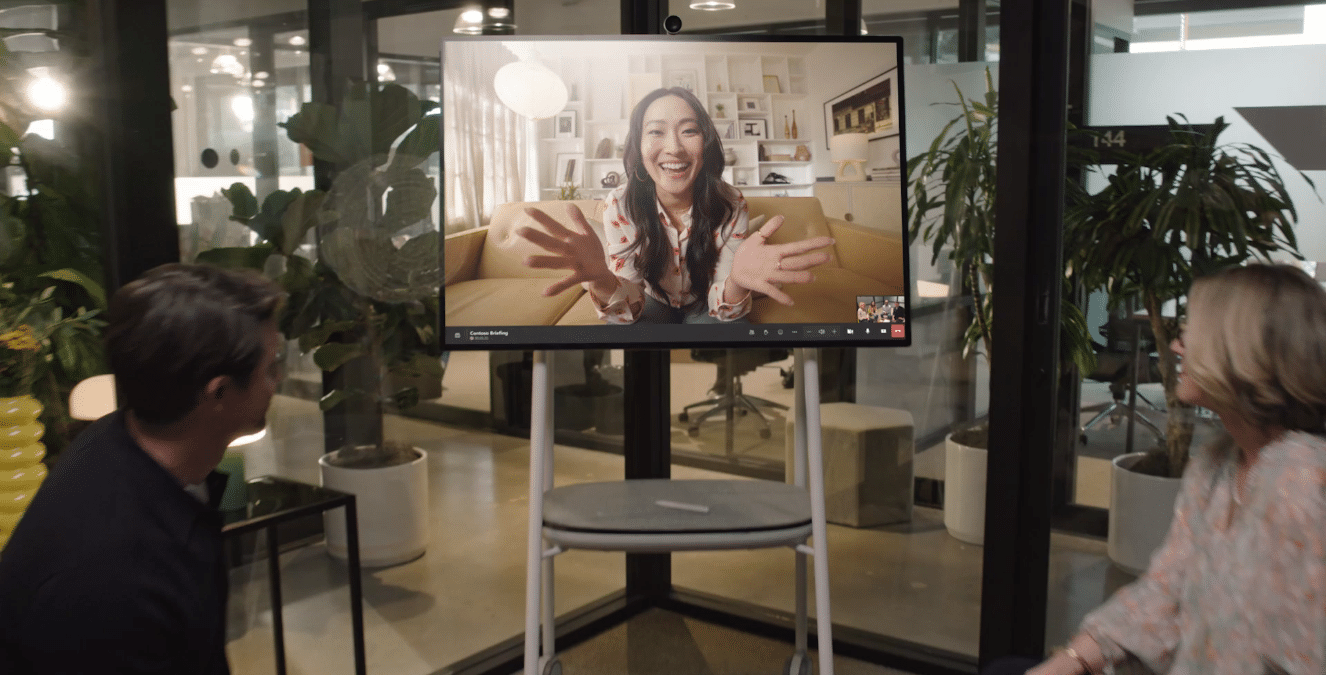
point(727, 130)
point(564, 124)
point(569, 169)
point(867, 108)
point(758, 129)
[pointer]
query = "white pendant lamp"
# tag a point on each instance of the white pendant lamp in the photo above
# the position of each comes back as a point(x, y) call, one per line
point(531, 89)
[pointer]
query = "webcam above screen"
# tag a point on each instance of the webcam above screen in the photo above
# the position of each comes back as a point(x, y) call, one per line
point(673, 192)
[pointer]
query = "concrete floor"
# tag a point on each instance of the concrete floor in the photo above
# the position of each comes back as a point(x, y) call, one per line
point(467, 593)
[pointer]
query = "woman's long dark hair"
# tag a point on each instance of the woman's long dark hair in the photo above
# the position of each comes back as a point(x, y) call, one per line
point(713, 202)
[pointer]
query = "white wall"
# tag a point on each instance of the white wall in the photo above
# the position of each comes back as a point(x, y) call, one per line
point(1143, 88)
point(832, 71)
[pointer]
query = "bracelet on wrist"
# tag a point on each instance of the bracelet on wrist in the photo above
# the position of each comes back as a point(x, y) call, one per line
point(1072, 653)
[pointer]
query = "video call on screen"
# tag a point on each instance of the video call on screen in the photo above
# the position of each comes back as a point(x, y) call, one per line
point(809, 130)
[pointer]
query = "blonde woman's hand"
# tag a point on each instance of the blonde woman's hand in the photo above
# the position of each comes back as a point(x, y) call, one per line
point(579, 250)
point(1059, 664)
point(761, 267)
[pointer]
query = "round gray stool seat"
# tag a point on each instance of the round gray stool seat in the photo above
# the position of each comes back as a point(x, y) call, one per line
point(655, 515)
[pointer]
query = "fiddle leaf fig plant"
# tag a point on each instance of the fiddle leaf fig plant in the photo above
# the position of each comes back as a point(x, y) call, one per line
point(359, 261)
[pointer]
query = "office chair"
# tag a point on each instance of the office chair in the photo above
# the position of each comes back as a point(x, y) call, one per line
point(1115, 365)
point(727, 388)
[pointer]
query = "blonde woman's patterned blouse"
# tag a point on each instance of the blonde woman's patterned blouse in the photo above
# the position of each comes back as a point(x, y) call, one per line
point(1239, 586)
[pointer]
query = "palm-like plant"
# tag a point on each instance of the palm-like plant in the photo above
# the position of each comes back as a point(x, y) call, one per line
point(1166, 217)
point(953, 209)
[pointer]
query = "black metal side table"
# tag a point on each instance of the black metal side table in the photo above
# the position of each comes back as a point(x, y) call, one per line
point(272, 501)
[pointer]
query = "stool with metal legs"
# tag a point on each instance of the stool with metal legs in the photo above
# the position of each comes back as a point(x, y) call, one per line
point(661, 515)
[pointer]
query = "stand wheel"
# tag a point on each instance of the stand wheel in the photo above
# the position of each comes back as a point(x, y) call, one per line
point(693, 431)
point(765, 433)
point(682, 417)
point(553, 667)
point(797, 664)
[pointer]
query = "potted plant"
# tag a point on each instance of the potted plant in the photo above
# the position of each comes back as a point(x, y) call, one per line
point(953, 208)
point(50, 254)
point(368, 306)
point(1166, 217)
point(33, 329)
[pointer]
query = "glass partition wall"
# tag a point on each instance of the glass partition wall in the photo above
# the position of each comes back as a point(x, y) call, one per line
point(904, 590)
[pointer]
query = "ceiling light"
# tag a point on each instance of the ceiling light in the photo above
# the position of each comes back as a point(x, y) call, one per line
point(470, 22)
point(242, 42)
point(228, 64)
point(199, 51)
point(385, 73)
point(47, 94)
point(242, 106)
point(713, 5)
point(499, 12)
point(298, 41)
point(186, 88)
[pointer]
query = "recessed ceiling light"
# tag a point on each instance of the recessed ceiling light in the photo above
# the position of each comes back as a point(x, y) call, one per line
point(242, 42)
point(199, 51)
point(298, 41)
point(713, 5)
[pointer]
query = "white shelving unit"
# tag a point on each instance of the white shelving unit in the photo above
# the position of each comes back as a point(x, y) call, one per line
point(760, 96)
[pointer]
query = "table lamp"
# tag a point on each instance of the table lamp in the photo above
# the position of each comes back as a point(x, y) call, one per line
point(849, 152)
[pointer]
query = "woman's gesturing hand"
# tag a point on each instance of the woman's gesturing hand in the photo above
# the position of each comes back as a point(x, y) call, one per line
point(579, 251)
point(762, 267)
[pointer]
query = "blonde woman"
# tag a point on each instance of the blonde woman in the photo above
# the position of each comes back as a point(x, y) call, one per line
point(1239, 585)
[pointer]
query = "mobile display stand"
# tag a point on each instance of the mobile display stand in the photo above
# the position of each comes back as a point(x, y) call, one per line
point(662, 515)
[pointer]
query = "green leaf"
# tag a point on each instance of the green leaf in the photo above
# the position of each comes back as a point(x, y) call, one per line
point(242, 202)
point(406, 398)
point(318, 336)
point(409, 201)
point(298, 276)
point(332, 399)
point(316, 126)
point(419, 144)
point(302, 214)
point(94, 289)
point(395, 110)
point(269, 222)
point(329, 357)
point(238, 257)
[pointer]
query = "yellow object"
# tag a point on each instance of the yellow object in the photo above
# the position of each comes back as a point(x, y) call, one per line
point(21, 451)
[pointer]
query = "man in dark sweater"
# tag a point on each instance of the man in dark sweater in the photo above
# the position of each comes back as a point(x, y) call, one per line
point(117, 566)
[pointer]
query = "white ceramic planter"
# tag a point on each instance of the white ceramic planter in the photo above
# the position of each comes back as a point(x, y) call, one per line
point(964, 491)
point(1141, 508)
point(392, 505)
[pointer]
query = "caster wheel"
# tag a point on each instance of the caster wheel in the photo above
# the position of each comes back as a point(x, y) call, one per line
point(765, 433)
point(683, 417)
point(693, 432)
point(553, 667)
point(797, 664)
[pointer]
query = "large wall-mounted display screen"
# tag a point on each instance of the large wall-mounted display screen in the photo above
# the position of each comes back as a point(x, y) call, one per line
point(668, 191)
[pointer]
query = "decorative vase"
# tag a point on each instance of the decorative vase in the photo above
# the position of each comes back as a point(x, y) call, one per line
point(794, 124)
point(729, 156)
point(787, 131)
point(21, 450)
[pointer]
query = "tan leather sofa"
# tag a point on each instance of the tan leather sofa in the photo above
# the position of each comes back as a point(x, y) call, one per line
point(488, 284)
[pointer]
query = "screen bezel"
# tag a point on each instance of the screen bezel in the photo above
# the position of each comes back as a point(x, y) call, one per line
point(773, 340)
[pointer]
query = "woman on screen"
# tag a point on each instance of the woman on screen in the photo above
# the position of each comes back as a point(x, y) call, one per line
point(678, 248)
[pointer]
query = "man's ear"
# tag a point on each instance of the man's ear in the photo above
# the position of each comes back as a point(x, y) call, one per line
point(216, 387)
